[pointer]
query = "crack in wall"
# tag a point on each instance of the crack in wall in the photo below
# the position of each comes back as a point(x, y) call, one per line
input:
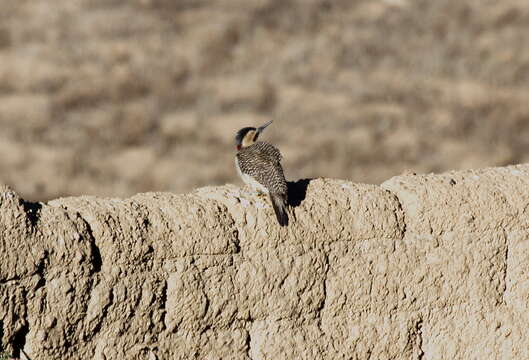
point(14, 279)
point(400, 220)
point(248, 344)
point(96, 260)
point(506, 267)
point(321, 307)
point(163, 305)
point(419, 339)
point(18, 341)
point(414, 344)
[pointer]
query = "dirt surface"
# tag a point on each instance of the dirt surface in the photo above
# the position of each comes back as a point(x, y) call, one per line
point(421, 267)
point(117, 97)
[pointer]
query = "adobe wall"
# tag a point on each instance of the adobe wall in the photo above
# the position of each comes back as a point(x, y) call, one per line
point(421, 267)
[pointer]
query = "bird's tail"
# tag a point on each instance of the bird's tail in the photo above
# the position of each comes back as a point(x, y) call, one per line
point(279, 203)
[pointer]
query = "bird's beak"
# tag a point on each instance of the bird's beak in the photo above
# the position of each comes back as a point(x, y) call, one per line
point(262, 127)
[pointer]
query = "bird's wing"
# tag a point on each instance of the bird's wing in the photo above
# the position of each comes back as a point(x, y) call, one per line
point(263, 164)
point(275, 154)
point(268, 150)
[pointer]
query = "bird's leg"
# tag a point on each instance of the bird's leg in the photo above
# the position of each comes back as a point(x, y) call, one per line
point(254, 191)
point(260, 194)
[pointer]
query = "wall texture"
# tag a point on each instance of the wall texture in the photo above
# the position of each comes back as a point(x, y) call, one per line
point(421, 267)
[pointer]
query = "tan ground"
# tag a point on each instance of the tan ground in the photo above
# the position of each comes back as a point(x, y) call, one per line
point(117, 97)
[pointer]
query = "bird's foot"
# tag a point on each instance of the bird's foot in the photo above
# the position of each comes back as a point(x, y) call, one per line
point(261, 195)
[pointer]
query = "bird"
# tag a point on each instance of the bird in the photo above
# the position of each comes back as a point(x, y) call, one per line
point(258, 163)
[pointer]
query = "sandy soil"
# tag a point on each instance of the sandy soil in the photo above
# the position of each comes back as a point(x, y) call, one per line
point(117, 97)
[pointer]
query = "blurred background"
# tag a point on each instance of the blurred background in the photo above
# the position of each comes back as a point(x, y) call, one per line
point(115, 97)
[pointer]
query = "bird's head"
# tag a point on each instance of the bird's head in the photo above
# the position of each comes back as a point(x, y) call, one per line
point(248, 135)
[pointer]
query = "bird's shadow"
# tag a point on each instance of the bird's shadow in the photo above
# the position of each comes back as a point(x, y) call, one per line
point(32, 210)
point(297, 191)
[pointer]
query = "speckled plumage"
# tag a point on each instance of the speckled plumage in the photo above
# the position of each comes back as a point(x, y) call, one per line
point(260, 164)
